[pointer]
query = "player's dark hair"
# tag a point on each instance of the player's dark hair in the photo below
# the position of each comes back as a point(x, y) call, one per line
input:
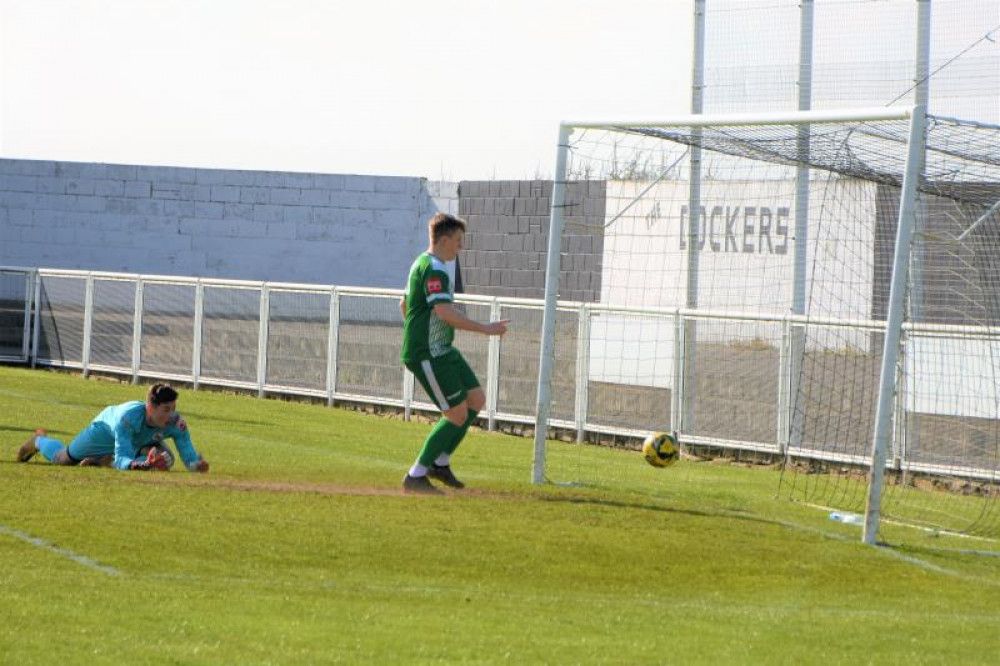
point(161, 394)
point(444, 224)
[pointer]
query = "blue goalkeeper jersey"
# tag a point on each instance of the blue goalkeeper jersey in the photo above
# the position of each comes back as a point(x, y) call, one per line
point(126, 423)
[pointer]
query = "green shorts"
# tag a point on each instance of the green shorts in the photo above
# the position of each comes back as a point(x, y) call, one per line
point(447, 379)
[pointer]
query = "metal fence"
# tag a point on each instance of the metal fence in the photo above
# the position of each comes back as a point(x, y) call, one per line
point(338, 343)
point(614, 374)
point(16, 288)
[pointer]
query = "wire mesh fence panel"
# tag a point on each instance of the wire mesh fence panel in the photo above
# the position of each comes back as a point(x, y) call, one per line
point(167, 341)
point(473, 346)
point(630, 380)
point(834, 406)
point(842, 31)
point(369, 343)
point(112, 323)
point(298, 331)
point(735, 396)
point(742, 70)
point(61, 319)
point(964, 65)
point(949, 435)
point(751, 60)
point(230, 331)
point(952, 412)
point(520, 349)
point(949, 405)
point(13, 311)
point(835, 401)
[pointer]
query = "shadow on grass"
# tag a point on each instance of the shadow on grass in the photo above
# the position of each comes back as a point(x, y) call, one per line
point(13, 429)
point(722, 513)
point(621, 504)
point(25, 432)
point(904, 552)
point(947, 552)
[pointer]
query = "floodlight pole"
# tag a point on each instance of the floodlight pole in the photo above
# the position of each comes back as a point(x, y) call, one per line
point(790, 419)
point(921, 76)
point(548, 346)
point(685, 375)
point(894, 322)
point(910, 436)
point(801, 247)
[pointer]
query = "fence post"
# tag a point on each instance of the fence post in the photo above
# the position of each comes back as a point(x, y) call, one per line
point(493, 370)
point(333, 335)
point(37, 319)
point(408, 387)
point(580, 405)
point(199, 315)
point(137, 332)
point(784, 386)
point(265, 314)
point(88, 321)
point(29, 289)
point(899, 443)
point(677, 393)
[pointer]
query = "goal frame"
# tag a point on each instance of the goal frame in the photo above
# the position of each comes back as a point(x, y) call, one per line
point(900, 266)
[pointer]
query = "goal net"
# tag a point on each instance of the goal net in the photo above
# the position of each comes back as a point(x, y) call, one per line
point(753, 299)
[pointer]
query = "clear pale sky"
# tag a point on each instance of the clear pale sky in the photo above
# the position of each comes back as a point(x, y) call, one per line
point(445, 89)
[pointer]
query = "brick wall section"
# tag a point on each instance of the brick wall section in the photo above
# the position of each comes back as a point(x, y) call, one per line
point(507, 239)
point(257, 225)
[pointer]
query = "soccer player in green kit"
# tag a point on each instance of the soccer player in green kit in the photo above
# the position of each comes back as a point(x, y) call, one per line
point(429, 323)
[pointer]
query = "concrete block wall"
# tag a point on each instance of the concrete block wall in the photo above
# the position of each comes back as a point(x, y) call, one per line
point(507, 239)
point(443, 195)
point(256, 225)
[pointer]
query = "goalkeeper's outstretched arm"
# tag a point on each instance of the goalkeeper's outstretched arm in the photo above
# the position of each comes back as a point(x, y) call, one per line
point(178, 431)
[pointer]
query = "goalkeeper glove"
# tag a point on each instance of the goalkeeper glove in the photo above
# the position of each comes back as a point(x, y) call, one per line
point(155, 460)
point(200, 465)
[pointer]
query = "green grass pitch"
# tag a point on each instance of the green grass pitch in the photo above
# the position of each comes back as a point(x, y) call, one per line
point(298, 547)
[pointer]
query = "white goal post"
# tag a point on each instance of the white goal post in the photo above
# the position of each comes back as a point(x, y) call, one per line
point(723, 285)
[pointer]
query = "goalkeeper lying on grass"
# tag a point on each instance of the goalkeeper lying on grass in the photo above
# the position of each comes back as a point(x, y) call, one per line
point(120, 435)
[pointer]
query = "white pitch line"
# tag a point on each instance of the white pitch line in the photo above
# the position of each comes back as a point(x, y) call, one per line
point(68, 554)
point(893, 552)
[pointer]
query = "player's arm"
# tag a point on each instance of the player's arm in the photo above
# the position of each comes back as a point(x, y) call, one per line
point(402, 306)
point(125, 447)
point(178, 431)
point(455, 318)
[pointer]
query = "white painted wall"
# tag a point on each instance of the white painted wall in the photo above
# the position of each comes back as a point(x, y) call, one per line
point(745, 255)
point(956, 377)
point(257, 225)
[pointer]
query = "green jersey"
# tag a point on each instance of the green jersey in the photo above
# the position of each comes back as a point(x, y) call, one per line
point(425, 336)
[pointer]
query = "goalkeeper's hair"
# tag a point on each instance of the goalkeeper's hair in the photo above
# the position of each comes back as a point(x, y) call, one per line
point(444, 224)
point(160, 394)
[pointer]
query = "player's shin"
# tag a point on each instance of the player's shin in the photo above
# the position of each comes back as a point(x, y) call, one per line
point(452, 445)
point(440, 437)
point(49, 447)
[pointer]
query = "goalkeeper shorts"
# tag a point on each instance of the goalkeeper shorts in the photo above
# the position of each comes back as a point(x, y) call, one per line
point(96, 440)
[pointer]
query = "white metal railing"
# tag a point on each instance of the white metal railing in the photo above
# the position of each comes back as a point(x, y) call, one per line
point(16, 288)
point(342, 344)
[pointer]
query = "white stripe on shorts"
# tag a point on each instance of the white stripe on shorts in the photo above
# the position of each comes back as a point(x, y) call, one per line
point(432, 380)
